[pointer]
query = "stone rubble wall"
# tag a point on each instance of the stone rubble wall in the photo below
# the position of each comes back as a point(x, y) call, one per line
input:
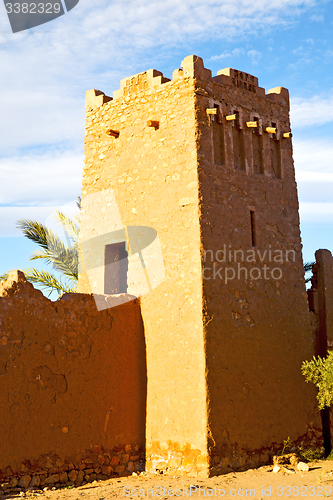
point(89, 465)
point(72, 387)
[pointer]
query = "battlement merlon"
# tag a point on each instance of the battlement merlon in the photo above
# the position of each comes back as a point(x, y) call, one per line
point(280, 95)
point(192, 66)
point(150, 78)
point(96, 98)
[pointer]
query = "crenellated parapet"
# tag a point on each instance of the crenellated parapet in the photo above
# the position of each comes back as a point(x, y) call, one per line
point(191, 67)
point(148, 79)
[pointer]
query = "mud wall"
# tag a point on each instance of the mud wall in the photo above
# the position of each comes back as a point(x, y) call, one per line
point(321, 301)
point(72, 386)
point(321, 306)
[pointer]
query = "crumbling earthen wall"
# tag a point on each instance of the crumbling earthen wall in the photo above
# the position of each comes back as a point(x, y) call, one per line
point(72, 387)
point(321, 301)
point(223, 358)
point(321, 306)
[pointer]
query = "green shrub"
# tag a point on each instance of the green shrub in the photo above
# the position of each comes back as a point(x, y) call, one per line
point(312, 454)
point(320, 372)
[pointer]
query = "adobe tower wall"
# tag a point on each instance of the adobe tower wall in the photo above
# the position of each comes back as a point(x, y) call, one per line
point(207, 163)
point(152, 172)
point(258, 328)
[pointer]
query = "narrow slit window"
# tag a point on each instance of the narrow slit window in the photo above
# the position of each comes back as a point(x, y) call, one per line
point(116, 267)
point(253, 228)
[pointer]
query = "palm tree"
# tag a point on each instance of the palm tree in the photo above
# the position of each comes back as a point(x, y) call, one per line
point(307, 269)
point(63, 257)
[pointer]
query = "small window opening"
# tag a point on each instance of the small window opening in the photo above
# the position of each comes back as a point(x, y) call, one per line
point(253, 228)
point(116, 267)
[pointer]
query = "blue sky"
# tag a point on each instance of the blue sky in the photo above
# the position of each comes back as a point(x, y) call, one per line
point(45, 72)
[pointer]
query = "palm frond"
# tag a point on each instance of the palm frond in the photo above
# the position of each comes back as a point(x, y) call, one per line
point(54, 251)
point(308, 266)
point(48, 281)
point(307, 269)
point(41, 235)
point(34, 231)
point(3, 277)
point(68, 224)
point(64, 262)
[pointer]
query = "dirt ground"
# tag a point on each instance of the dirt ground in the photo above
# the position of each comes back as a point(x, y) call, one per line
point(256, 483)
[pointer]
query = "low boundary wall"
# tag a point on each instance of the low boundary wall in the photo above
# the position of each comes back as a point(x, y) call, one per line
point(72, 387)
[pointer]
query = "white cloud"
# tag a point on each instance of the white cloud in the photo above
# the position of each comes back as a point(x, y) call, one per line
point(317, 177)
point(315, 191)
point(45, 215)
point(317, 18)
point(10, 215)
point(300, 64)
point(309, 112)
point(314, 176)
point(36, 118)
point(254, 55)
point(226, 54)
point(298, 51)
point(313, 156)
point(316, 212)
point(40, 180)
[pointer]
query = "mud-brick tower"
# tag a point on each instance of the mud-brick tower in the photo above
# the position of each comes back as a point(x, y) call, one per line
point(207, 163)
